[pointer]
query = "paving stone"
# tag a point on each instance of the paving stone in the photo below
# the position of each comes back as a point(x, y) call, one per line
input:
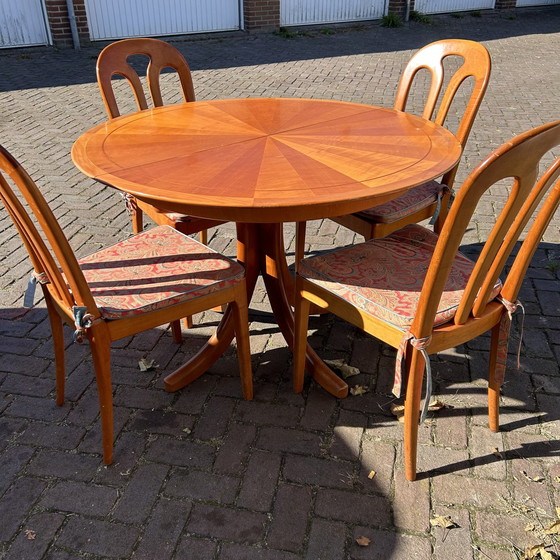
point(239, 552)
point(456, 543)
point(260, 481)
point(36, 536)
point(235, 449)
point(386, 544)
point(320, 472)
point(191, 548)
point(181, 453)
point(289, 517)
point(353, 508)
point(411, 505)
point(201, 485)
point(231, 524)
point(98, 537)
point(293, 441)
point(326, 540)
point(23, 494)
point(77, 497)
point(163, 530)
point(137, 499)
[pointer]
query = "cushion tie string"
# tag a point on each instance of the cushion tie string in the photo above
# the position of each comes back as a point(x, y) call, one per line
point(503, 338)
point(83, 320)
point(444, 189)
point(129, 202)
point(420, 344)
point(29, 295)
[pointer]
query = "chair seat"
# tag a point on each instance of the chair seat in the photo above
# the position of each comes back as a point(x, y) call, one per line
point(409, 203)
point(384, 277)
point(149, 271)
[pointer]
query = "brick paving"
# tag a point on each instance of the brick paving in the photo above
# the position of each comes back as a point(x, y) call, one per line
point(201, 474)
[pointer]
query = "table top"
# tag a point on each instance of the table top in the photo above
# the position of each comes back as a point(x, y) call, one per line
point(266, 159)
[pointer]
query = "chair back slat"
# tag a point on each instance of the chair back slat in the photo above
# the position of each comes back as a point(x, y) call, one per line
point(518, 161)
point(66, 284)
point(113, 60)
point(475, 64)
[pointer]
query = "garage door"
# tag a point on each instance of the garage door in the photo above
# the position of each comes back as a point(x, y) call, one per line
point(23, 23)
point(446, 6)
point(114, 19)
point(308, 12)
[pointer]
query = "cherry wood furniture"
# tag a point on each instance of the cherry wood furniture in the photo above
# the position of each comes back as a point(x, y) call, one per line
point(114, 61)
point(261, 162)
point(152, 278)
point(469, 72)
point(416, 292)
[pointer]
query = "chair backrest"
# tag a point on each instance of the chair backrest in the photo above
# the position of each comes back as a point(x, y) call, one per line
point(475, 64)
point(113, 61)
point(53, 258)
point(517, 161)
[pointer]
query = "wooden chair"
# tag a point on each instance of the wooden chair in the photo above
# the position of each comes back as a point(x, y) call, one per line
point(154, 277)
point(430, 199)
point(415, 291)
point(113, 60)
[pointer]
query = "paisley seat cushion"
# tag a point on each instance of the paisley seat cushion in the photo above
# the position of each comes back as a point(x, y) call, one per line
point(384, 277)
point(410, 202)
point(154, 269)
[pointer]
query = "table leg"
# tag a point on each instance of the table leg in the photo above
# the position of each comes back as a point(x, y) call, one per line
point(261, 248)
point(221, 339)
point(278, 282)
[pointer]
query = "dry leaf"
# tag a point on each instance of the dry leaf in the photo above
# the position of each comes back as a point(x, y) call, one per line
point(146, 365)
point(187, 430)
point(371, 474)
point(557, 479)
point(397, 409)
point(554, 529)
point(359, 390)
point(537, 552)
point(538, 479)
point(558, 512)
point(30, 534)
point(345, 370)
point(436, 405)
point(496, 453)
point(444, 521)
point(348, 371)
point(530, 527)
point(363, 541)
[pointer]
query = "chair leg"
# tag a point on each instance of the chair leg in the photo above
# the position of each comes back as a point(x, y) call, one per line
point(176, 331)
point(493, 386)
point(188, 322)
point(203, 237)
point(241, 327)
point(57, 329)
point(137, 220)
point(100, 344)
point(303, 307)
point(412, 411)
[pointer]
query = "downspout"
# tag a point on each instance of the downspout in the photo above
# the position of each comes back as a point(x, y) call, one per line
point(73, 25)
point(241, 16)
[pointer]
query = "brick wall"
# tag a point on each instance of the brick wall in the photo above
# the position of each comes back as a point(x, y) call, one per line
point(59, 23)
point(261, 15)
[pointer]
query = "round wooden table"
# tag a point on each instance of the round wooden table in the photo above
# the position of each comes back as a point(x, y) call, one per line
point(260, 162)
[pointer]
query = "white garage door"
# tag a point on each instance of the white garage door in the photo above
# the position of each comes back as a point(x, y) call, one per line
point(521, 3)
point(444, 6)
point(114, 19)
point(23, 23)
point(308, 12)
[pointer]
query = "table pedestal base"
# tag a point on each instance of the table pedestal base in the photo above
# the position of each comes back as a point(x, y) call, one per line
point(260, 248)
